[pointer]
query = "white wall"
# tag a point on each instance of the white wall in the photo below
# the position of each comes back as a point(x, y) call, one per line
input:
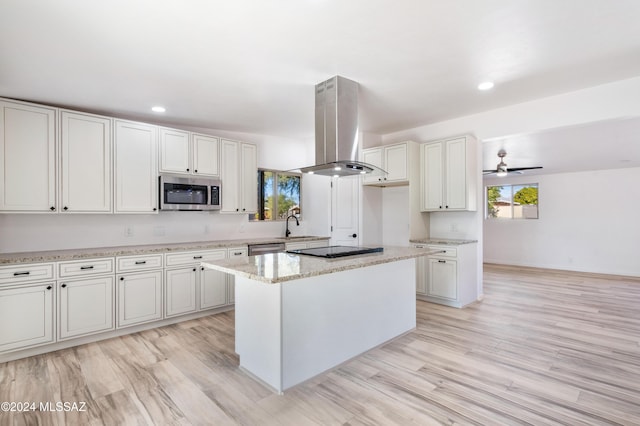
point(588, 222)
point(35, 232)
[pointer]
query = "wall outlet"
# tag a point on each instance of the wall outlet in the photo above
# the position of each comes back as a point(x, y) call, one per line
point(128, 231)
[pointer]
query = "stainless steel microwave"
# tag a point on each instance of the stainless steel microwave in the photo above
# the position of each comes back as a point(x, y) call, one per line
point(189, 193)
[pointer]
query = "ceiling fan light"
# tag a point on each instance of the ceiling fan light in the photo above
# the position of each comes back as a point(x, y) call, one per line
point(501, 173)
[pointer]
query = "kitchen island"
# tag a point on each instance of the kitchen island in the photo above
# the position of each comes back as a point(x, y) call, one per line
point(298, 316)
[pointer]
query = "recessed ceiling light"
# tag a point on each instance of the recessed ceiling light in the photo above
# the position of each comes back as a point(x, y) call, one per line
point(158, 109)
point(485, 85)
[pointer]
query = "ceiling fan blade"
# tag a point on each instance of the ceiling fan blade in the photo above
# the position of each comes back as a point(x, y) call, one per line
point(517, 169)
point(489, 171)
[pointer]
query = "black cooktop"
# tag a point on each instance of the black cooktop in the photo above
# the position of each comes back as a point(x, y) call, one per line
point(336, 251)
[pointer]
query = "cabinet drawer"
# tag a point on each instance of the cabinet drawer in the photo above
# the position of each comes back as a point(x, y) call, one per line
point(16, 274)
point(138, 263)
point(238, 252)
point(320, 243)
point(447, 251)
point(193, 257)
point(81, 268)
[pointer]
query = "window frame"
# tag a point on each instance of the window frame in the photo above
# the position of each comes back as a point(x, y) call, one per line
point(261, 197)
point(511, 185)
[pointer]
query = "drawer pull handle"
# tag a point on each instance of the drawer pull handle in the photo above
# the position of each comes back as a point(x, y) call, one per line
point(17, 274)
point(237, 253)
point(141, 262)
point(84, 268)
point(197, 257)
point(442, 261)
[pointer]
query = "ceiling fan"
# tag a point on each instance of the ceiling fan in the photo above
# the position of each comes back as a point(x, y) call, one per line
point(502, 169)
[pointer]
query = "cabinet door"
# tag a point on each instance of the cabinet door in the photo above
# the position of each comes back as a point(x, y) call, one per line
point(174, 151)
point(422, 267)
point(395, 163)
point(249, 178)
point(136, 168)
point(443, 280)
point(206, 157)
point(139, 298)
point(230, 176)
point(26, 315)
point(180, 291)
point(85, 306)
point(213, 288)
point(85, 162)
point(27, 158)
point(432, 182)
point(372, 156)
point(456, 174)
point(234, 252)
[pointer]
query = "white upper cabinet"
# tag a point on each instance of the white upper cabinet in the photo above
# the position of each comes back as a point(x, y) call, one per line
point(27, 158)
point(136, 166)
point(249, 177)
point(85, 163)
point(206, 155)
point(239, 177)
point(448, 175)
point(188, 153)
point(372, 156)
point(395, 159)
point(175, 151)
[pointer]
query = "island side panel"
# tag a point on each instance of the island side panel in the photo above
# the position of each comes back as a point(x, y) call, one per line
point(329, 319)
point(258, 330)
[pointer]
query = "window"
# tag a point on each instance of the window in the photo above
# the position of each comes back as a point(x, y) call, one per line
point(278, 195)
point(512, 201)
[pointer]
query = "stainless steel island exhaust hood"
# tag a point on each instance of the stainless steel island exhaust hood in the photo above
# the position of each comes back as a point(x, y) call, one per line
point(337, 130)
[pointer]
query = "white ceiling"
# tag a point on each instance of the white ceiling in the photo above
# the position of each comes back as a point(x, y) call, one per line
point(602, 145)
point(250, 65)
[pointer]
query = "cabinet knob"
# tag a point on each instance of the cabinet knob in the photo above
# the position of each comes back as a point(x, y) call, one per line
point(121, 278)
point(446, 207)
point(244, 209)
point(354, 235)
point(53, 209)
point(48, 287)
point(154, 209)
point(65, 208)
point(194, 269)
point(187, 169)
point(237, 210)
point(195, 171)
point(439, 207)
point(63, 286)
point(202, 268)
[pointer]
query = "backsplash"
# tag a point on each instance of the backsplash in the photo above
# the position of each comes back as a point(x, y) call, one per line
point(24, 232)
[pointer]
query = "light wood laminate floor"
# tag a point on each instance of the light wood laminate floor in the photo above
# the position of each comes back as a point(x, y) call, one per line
point(544, 347)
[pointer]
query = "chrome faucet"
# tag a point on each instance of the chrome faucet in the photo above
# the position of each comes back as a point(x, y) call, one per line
point(287, 232)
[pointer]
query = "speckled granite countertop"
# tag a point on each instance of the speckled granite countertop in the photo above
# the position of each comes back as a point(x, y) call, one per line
point(280, 267)
point(78, 254)
point(444, 241)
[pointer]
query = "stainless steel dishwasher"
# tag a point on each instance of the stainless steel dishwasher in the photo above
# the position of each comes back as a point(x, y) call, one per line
point(257, 249)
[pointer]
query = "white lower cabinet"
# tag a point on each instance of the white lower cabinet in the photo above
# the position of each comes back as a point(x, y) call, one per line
point(448, 277)
point(85, 306)
point(213, 288)
point(139, 297)
point(231, 279)
point(26, 315)
point(442, 280)
point(180, 291)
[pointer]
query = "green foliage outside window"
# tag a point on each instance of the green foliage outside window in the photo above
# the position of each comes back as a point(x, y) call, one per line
point(278, 195)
